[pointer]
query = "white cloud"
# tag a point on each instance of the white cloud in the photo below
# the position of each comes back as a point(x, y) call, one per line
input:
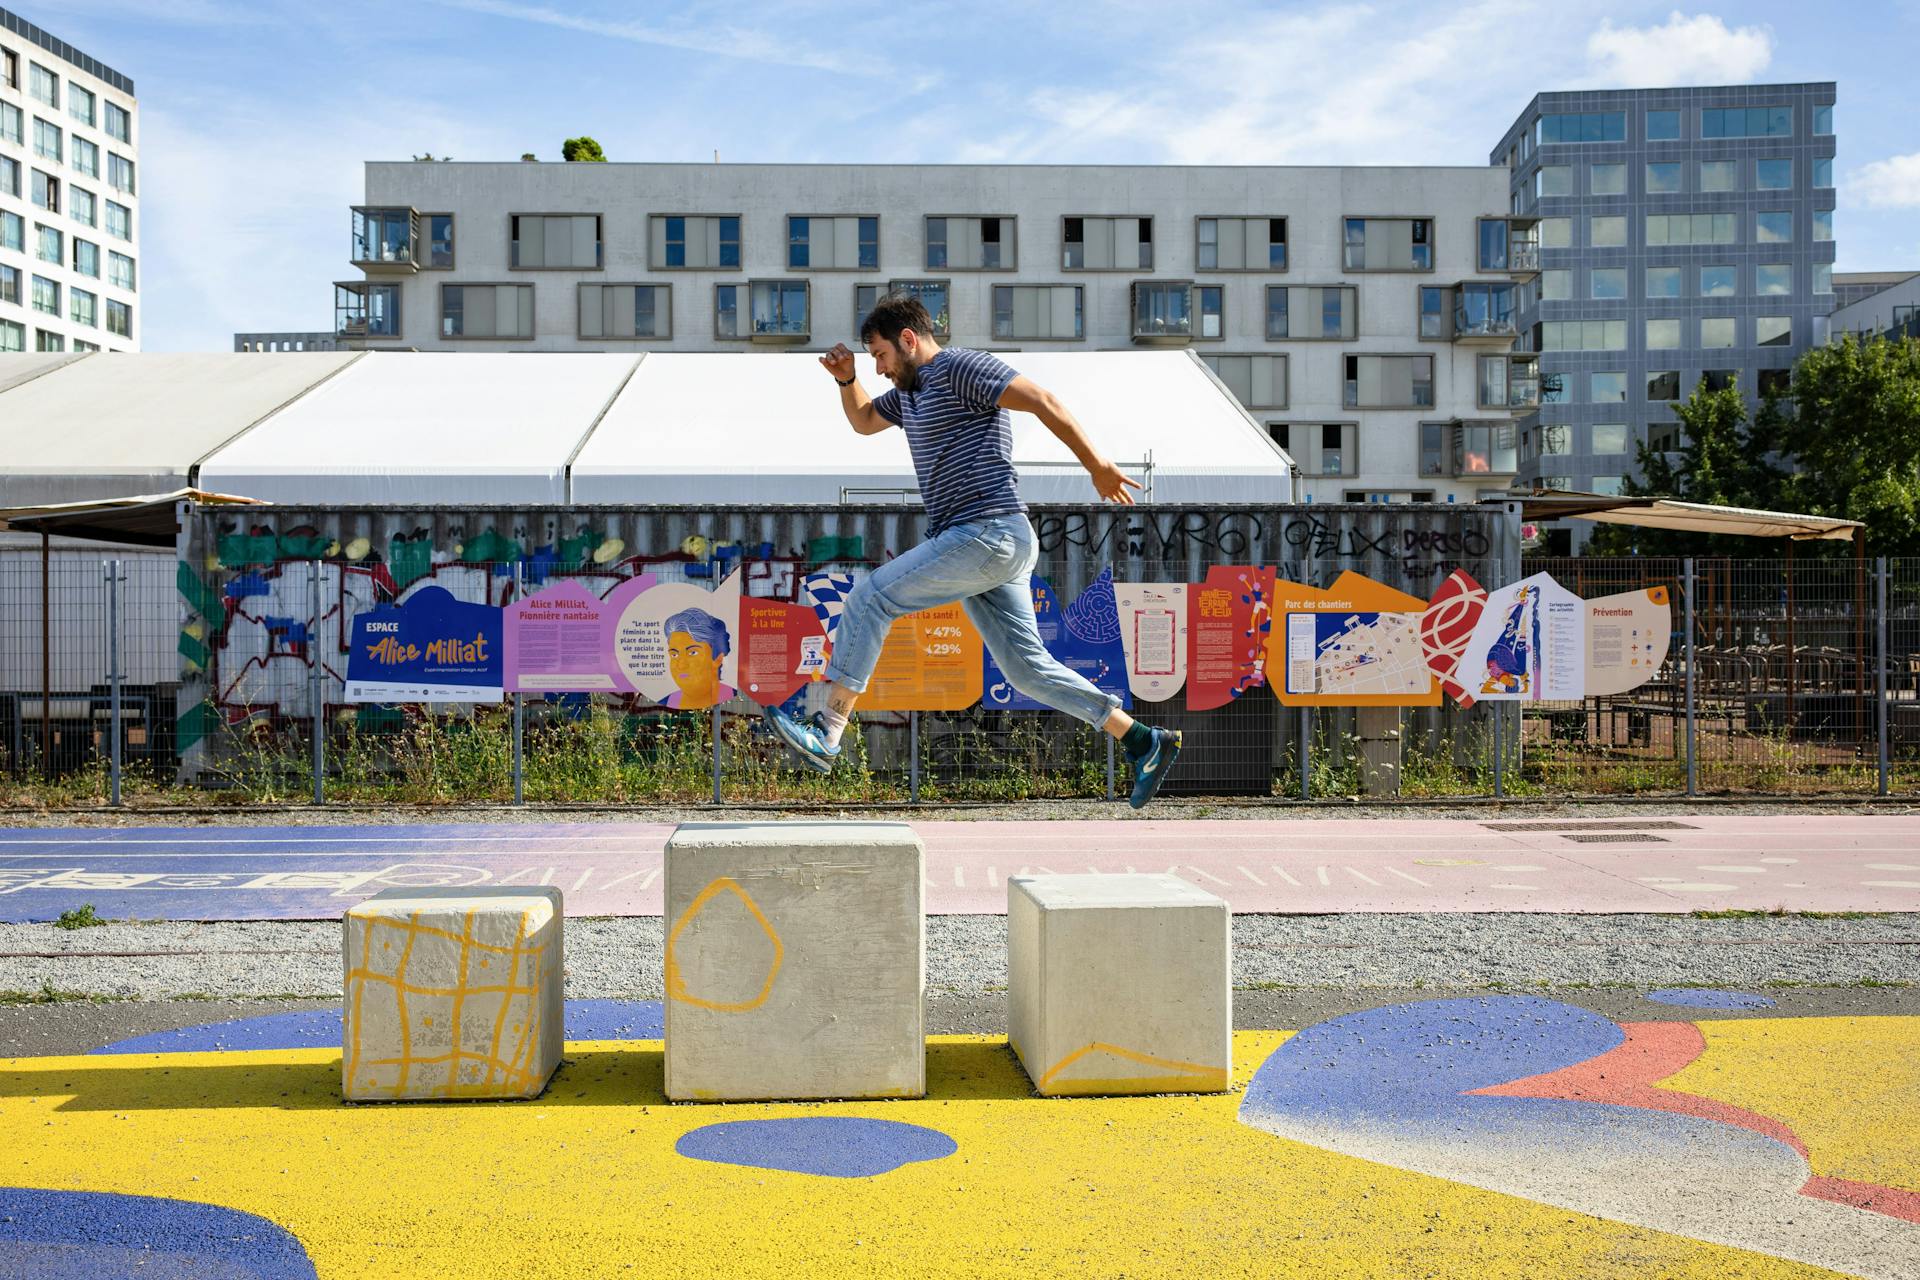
point(750, 44)
point(1697, 50)
point(1893, 183)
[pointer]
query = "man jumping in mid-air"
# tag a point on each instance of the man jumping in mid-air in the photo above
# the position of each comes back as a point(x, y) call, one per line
point(980, 549)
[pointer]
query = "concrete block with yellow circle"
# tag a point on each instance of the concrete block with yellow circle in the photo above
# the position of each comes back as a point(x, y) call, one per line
point(795, 961)
point(453, 993)
point(1119, 984)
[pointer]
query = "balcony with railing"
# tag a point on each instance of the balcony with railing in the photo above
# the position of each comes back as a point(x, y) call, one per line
point(1510, 382)
point(782, 311)
point(364, 309)
point(1510, 246)
point(386, 241)
point(1162, 314)
point(1484, 312)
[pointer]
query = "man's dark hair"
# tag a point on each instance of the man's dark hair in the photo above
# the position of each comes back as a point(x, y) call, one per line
point(892, 315)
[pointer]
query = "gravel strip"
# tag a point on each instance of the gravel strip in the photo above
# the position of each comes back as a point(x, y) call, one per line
point(966, 955)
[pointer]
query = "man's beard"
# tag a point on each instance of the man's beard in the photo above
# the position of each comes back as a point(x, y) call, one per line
point(908, 379)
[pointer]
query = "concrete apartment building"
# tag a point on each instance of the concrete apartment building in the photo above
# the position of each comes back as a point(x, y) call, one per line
point(1684, 234)
point(69, 205)
point(1365, 315)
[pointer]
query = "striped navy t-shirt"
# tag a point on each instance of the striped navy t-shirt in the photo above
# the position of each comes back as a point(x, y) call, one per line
point(962, 440)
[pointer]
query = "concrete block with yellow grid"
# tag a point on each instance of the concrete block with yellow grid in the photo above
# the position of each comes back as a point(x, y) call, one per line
point(452, 993)
point(1119, 984)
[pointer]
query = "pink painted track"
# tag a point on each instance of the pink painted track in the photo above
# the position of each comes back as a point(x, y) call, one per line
point(1654, 864)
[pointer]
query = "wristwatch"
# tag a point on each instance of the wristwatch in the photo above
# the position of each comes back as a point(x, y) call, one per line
point(849, 382)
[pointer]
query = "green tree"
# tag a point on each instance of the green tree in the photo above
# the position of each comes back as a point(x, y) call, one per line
point(582, 148)
point(1855, 437)
point(1724, 459)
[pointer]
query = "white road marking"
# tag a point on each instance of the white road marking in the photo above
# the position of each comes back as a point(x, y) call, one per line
point(1321, 874)
point(1284, 876)
point(1891, 884)
point(959, 876)
point(1395, 871)
point(1249, 875)
point(581, 883)
point(1207, 874)
point(1734, 870)
point(1892, 866)
point(1361, 875)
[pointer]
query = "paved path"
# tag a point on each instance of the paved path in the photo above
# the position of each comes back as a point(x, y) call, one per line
point(1664, 864)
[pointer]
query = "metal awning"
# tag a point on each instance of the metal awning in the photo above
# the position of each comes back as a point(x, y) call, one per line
point(1687, 517)
point(145, 520)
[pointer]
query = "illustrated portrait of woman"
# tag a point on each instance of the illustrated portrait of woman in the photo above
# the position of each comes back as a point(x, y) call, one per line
point(697, 643)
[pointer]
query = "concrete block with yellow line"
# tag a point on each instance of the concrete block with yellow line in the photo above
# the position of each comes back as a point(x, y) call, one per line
point(795, 961)
point(452, 993)
point(1119, 984)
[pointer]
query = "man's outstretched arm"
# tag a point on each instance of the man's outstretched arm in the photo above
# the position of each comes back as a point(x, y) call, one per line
point(1024, 394)
point(854, 401)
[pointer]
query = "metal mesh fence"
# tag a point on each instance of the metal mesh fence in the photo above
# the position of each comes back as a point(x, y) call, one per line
point(224, 654)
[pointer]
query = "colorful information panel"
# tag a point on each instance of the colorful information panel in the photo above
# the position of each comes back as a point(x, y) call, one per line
point(1083, 637)
point(930, 662)
point(1354, 644)
point(1227, 629)
point(1535, 641)
point(431, 648)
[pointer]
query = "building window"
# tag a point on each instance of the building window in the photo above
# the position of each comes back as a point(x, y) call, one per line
point(1718, 331)
point(46, 191)
point(86, 158)
point(47, 140)
point(625, 311)
point(780, 309)
point(1433, 449)
point(1240, 244)
point(1433, 312)
point(1553, 180)
point(1823, 277)
point(1719, 379)
point(1555, 440)
point(86, 257)
point(971, 244)
point(1485, 448)
point(120, 271)
point(43, 85)
point(1775, 382)
point(1589, 126)
point(932, 295)
point(1162, 310)
point(1608, 282)
point(1582, 335)
point(9, 177)
point(1746, 122)
point(486, 311)
point(1608, 485)
point(1719, 281)
point(1608, 232)
point(119, 124)
point(1320, 448)
point(10, 73)
point(1039, 311)
point(11, 124)
point(1773, 279)
point(1772, 331)
point(1823, 171)
point(384, 236)
point(9, 284)
point(1663, 126)
point(1559, 389)
point(47, 340)
point(1663, 282)
point(85, 346)
point(1607, 179)
point(554, 242)
point(1663, 385)
point(119, 319)
point(80, 104)
point(1719, 175)
point(1773, 227)
point(1663, 335)
point(1106, 244)
point(1556, 285)
point(119, 221)
point(46, 296)
point(1257, 382)
point(1609, 387)
point(1608, 438)
point(694, 242)
point(1775, 174)
point(1822, 224)
point(1483, 309)
point(84, 308)
point(1389, 244)
point(1823, 120)
point(119, 173)
point(13, 336)
point(1692, 228)
point(832, 243)
point(52, 247)
point(1496, 389)
point(1663, 178)
point(440, 241)
point(366, 309)
point(726, 311)
point(1389, 382)
point(81, 206)
point(1556, 233)
point(13, 231)
point(1311, 312)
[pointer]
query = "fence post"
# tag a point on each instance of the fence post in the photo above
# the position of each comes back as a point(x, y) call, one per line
point(913, 757)
point(519, 713)
point(1499, 776)
point(113, 672)
point(1306, 750)
point(1110, 767)
point(1880, 684)
point(1693, 777)
point(314, 687)
point(716, 753)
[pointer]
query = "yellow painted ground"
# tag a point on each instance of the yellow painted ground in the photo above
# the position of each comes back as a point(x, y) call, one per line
point(1849, 1087)
point(585, 1182)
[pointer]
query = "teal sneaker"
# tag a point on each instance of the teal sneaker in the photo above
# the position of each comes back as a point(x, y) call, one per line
point(1151, 769)
point(808, 738)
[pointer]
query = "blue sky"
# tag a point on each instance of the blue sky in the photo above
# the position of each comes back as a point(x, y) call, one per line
point(257, 114)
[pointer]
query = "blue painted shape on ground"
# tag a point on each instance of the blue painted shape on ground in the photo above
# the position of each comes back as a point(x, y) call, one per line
point(827, 1146)
point(92, 1235)
point(320, 1029)
point(1690, 998)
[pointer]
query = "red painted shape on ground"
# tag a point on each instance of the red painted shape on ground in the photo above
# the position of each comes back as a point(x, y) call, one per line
point(1625, 1076)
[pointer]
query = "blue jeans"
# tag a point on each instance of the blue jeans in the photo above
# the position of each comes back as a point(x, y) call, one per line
point(986, 565)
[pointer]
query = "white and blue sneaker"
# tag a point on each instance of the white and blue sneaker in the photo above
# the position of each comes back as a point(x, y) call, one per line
point(808, 738)
point(1151, 769)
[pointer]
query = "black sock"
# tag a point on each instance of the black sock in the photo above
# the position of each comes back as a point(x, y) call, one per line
point(1137, 740)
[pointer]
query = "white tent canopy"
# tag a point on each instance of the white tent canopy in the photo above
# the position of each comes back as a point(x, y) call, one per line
point(719, 427)
point(1688, 517)
point(106, 425)
point(433, 428)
